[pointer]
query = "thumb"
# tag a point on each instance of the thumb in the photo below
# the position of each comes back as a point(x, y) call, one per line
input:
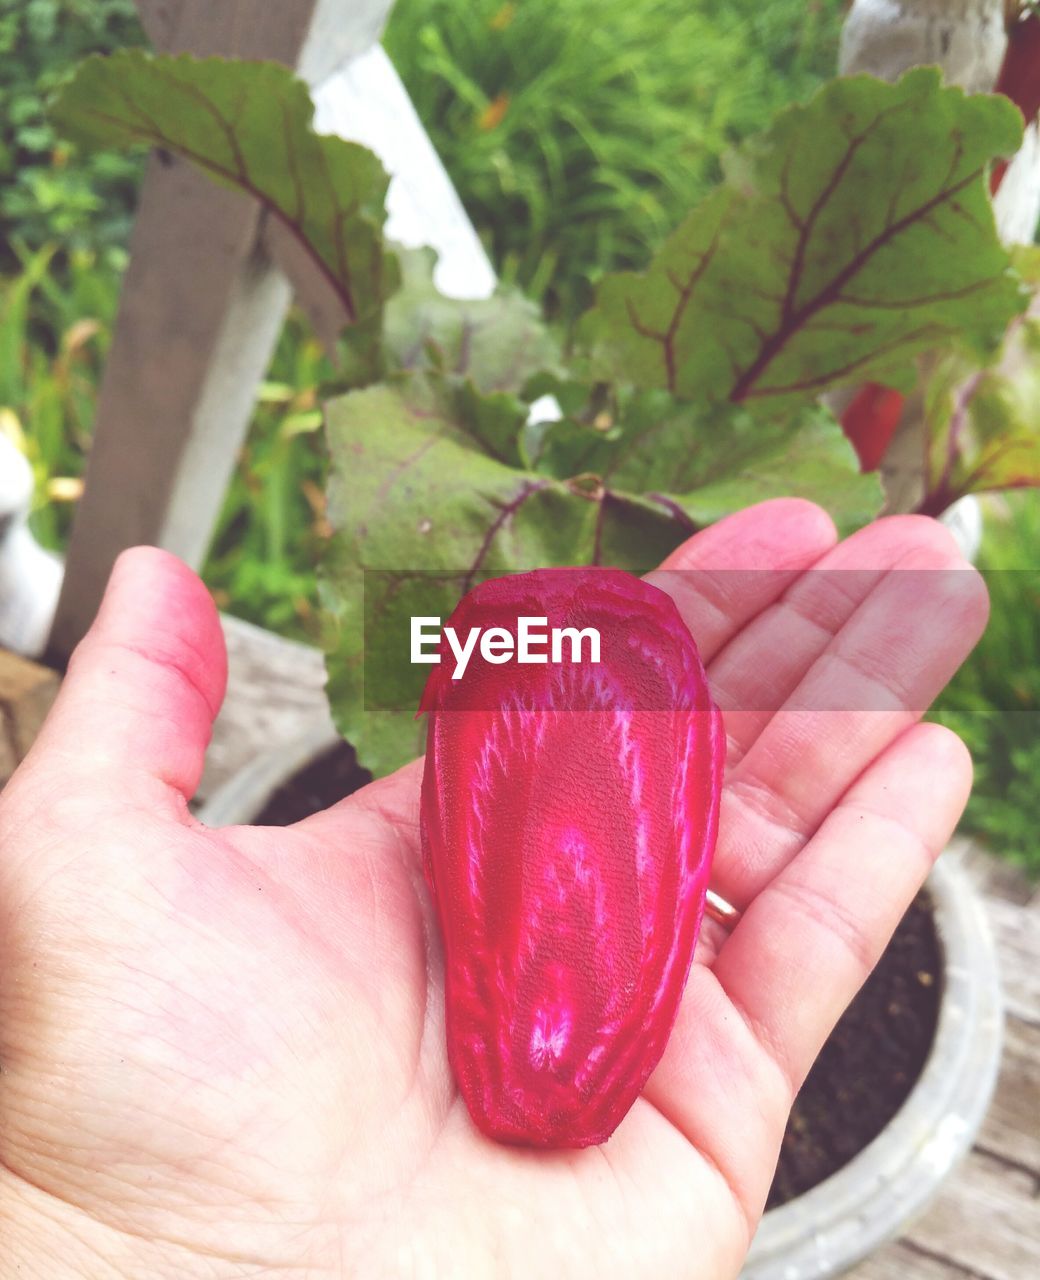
point(137, 705)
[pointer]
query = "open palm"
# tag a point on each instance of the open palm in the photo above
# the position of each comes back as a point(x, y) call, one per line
point(223, 1052)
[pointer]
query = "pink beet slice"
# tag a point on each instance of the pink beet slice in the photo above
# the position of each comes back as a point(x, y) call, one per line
point(569, 816)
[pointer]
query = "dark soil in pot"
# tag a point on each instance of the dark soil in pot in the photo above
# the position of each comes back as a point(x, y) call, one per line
point(868, 1065)
point(329, 778)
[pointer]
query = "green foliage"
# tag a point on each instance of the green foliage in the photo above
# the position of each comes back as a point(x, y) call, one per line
point(496, 342)
point(994, 700)
point(54, 334)
point(579, 133)
point(248, 125)
point(984, 424)
point(642, 446)
point(47, 195)
point(856, 233)
point(414, 487)
point(262, 564)
point(424, 500)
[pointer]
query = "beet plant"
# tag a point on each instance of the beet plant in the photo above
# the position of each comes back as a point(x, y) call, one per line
point(854, 241)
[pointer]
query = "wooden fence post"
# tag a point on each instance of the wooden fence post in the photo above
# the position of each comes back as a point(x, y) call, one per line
point(201, 309)
point(26, 694)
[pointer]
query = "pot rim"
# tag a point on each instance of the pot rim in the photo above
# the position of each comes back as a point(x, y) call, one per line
point(244, 794)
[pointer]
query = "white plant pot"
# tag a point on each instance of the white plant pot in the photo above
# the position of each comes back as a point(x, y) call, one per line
point(246, 792)
point(880, 1191)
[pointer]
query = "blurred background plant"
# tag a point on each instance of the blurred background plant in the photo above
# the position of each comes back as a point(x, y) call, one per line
point(64, 224)
point(48, 195)
point(577, 134)
point(994, 700)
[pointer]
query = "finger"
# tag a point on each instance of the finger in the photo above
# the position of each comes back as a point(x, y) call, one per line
point(137, 704)
point(749, 1028)
point(810, 938)
point(875, 678)
point(727, 574)
point(799, 627)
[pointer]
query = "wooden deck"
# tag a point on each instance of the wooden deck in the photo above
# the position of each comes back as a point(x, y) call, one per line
point(985, 1223)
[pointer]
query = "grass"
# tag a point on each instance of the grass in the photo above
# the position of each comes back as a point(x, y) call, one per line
point(261, 562)
point(579, 133)
point(48, 195)
point(54, 334)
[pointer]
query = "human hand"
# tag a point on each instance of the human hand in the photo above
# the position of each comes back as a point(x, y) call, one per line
point(222, 1053)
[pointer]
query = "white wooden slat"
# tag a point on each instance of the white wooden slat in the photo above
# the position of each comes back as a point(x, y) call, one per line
point(367, 102)
point(1018, 200)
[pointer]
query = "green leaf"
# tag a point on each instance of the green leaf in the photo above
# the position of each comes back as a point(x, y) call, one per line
point(420, 510)
point(855, 234)
point(248, 125)
point(423, 505)
point(711, 460)
point(983, 425)
point(498, 342)
point(812, 460)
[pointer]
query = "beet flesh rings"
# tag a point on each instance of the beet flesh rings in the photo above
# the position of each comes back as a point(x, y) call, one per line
point(569, 815)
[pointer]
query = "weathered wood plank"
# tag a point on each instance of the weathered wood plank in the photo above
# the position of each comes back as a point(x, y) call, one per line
point(901, 1261)
point(1018, 946)
point(994, 877)
point(317, 36)
point(26, 694)
point(986, 1220)
point(1012, 1127)
point(198, 319)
